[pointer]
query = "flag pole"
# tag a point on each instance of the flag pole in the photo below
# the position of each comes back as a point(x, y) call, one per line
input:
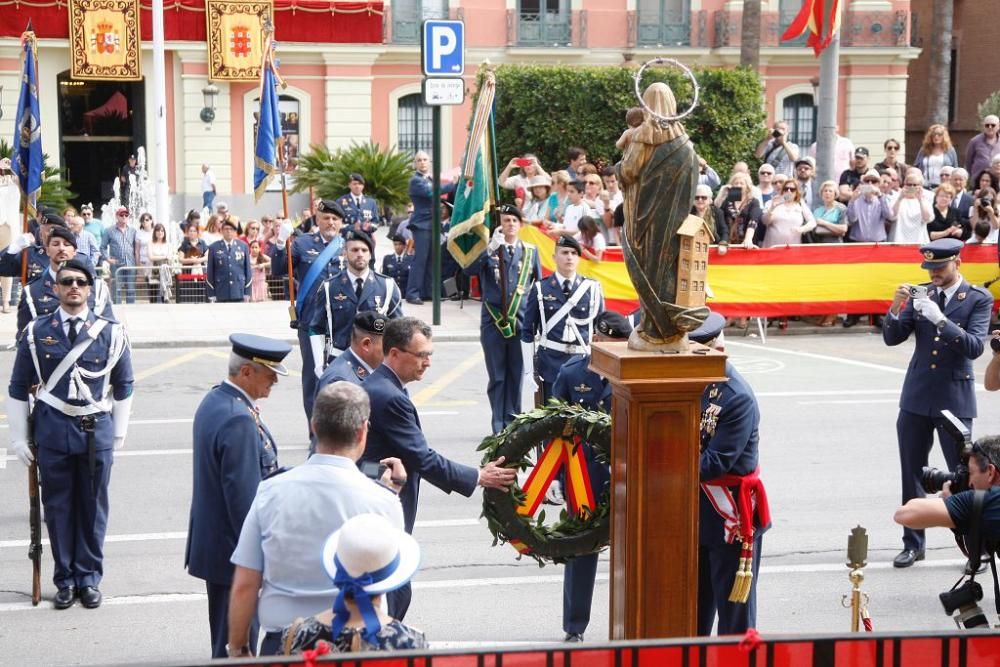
point(829, 79)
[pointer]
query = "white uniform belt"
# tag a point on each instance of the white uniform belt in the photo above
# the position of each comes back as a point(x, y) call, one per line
point(568, 348)
point(72, 410)
point(335, 351)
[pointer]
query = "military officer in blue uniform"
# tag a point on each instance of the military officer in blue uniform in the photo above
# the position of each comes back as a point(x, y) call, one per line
point(228, 273)
point(363, 356)
point(561, 310)
point(353, 289)
point(949, 319)
point(360, 211)
point(397, 264)
point(40, 298)
point(729, 541)
point(576, 383)
point(418, 286)
point(323, 248)
point(38, 259)
point(507, 271)
point(82, 364)
point(233, 452)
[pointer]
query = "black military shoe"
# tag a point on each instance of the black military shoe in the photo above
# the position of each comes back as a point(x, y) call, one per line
point(574, 637)
point(65, 598)
point(90, 597)
point(907, 557)
point(415, 302)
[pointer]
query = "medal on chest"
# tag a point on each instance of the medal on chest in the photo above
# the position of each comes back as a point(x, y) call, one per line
point(710, 418)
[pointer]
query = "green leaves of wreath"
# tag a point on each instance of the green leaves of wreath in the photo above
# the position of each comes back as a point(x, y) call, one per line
point(572, 535)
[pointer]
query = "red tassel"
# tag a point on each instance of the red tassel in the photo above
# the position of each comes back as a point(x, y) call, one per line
point(751, 641)
point(309, 656)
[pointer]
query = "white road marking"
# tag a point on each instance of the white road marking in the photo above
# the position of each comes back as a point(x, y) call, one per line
point(189, 420)
point(824, 392)
point(821, 357)
point(851, 402)
point(3, 458)
point(489, 581)
point(182, 535)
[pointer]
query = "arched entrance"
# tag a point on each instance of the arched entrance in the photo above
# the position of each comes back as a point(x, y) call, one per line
point(100, 124)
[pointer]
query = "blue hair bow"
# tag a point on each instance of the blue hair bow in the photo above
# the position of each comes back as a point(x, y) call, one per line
point(355, 586)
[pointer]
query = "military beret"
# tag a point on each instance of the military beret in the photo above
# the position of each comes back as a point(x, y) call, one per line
point(371, 322)
point(510, 209)
point(938, 253)
point(54, 220)
point(265, 351)
point(709, 330)
point(77, 265)
point(358, 235)
point(229, 222)
point(355, 176)
point(330, 206)
point(613, 325)
point(64, 234)
point(566, 241)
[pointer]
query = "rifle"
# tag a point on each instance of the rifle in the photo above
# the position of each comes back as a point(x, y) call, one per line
point(34, 516)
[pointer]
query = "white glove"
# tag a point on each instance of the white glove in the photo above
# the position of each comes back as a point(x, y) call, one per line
point(17, 418)
point(929, 309)
point(496, 240)
point(284, 231)
point(318, 345)
point(211, 299)
point(19, 243)
point(528, 384)
point(120, 413)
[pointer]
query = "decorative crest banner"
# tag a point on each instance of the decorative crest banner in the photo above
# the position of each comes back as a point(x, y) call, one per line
point(105, 44)
point(236, 38)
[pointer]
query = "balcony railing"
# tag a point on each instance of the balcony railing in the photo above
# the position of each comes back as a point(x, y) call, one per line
point(663, 28)
point(544, 29)
point(406, 19)
point(858, 29)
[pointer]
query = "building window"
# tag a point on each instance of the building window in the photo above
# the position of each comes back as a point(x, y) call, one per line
point(288, 108)
point(800, 114)
point(663, 23)
point(407, 15)
point(543, 22)
point(787, 11)
point(415, 127)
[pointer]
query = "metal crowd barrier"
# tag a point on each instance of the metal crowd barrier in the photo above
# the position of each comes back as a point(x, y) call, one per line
point(173, 283)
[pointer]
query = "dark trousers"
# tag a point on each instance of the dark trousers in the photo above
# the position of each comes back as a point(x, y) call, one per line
point(218, 619)
point(717, 565)
point(915, 434)
point(271, 644)
point(503, 368)
point(418, 285)
point(398, 601)
point(578, 592)
point(76, 514)
point(309, 378)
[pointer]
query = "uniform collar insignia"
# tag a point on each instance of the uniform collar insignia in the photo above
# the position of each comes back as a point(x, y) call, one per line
point(49, 340)
point(360, 371)
point(581, 388)
point(961, 296)
point(340, 297)
point(713, 392)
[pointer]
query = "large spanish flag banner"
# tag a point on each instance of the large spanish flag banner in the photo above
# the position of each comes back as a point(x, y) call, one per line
point(853, 278)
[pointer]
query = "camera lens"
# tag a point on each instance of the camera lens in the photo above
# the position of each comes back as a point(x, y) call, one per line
point(933, 479)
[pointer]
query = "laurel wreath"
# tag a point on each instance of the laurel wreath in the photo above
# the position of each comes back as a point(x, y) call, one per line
point(572, 535)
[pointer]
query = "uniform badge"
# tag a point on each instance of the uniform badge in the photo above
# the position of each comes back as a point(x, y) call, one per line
point(238, 256)
point(340, 297)
point(961, 296)
point(928, 254)
point(581, 388)
point(49, 340)
point(312, 251)
point(378, 302)
point(360, 372)
point(549, 297)
point(710, 418)
point(46, 299)
point(713, 392)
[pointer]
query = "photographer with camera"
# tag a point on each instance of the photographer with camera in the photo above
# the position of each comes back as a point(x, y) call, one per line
point(778, 151)
point(970, 505)
point(985, 214)
point(949, 319)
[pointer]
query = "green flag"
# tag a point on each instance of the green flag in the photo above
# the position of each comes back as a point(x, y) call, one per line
point(476, 196)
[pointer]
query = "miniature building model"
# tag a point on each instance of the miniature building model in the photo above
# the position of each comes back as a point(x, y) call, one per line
point(692, 263)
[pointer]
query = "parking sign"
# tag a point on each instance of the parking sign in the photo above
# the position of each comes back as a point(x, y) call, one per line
point(443, 48)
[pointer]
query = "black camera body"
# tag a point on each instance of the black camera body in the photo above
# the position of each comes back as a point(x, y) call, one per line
point(965, 600)
point(985, 201)
point(776, 134)
point(995, 343)
point(933, 479)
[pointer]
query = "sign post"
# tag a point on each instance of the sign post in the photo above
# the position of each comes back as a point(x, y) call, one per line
point(442, 54)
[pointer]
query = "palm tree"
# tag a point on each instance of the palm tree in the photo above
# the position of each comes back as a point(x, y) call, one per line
point(939, 90)
point(750, 35)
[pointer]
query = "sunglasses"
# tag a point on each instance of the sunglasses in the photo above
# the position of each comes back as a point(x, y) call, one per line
point(872, 180)
point(74, 282)
point(700, 197)
point(912, 185)
point(789, 190)
point(989, 125)
point(765, 173)
point(892, 148)
point(976, 449)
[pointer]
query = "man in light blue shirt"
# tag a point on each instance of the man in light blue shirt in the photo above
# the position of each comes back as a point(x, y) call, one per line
point(279, 553)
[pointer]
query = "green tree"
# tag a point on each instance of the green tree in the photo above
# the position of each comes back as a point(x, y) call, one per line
point(387, 172)
point(989, 106)
point(55, 189)
point(547, 109)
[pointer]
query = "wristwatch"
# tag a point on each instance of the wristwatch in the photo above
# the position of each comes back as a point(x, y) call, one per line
point(241, 652)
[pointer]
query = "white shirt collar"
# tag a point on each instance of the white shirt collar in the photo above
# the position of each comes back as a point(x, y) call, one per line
point(950, 291)
point(83, 315)
point(240, 389)
point(362, 362)
point(335, 460)
point(355, 276)
point(52, 273)
point(561, 278)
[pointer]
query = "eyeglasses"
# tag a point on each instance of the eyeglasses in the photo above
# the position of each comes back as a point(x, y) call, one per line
point(424, 356)
point(74, 282)
point(892, 148)
point(976, 449)
point(873, 180)
point(700, 198)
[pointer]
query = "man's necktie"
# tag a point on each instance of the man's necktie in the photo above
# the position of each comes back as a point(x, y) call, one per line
point(73, 322)
point(942, 299)
point(358, 285)
point(566, 287)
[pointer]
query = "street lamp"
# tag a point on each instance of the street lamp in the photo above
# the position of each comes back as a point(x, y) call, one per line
point(208, 112)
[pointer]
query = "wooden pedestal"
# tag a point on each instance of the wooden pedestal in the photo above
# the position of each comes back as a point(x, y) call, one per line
point(656, 414)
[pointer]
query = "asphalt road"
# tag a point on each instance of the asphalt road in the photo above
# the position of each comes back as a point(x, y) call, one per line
point(828, 458)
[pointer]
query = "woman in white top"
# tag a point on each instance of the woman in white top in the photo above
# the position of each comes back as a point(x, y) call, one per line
point(911, 211)
point(787, 217)
point(212, 232)
point(529, 169)
point(538, 209)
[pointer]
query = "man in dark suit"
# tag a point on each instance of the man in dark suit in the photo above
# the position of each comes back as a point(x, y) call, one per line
point(963, 200)
point(395, 431)
point(418, 286)
point(949, 319)
point(233, 452)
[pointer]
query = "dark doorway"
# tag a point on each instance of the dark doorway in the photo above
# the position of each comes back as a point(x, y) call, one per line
point(100, 124)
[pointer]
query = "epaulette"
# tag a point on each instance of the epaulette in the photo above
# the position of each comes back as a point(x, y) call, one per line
point(105, 317)
point(982, 289)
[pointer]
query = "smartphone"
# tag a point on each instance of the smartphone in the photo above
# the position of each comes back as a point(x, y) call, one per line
point(522, 162)
point(373, 469)
point(735, 194)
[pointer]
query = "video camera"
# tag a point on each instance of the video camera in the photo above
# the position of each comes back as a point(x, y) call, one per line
point(933, 479)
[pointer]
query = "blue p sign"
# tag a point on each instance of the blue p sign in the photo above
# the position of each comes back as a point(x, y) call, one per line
point(443, 47)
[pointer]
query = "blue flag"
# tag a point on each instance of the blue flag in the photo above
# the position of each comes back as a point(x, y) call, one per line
point(265, 156)
point(26, 161)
